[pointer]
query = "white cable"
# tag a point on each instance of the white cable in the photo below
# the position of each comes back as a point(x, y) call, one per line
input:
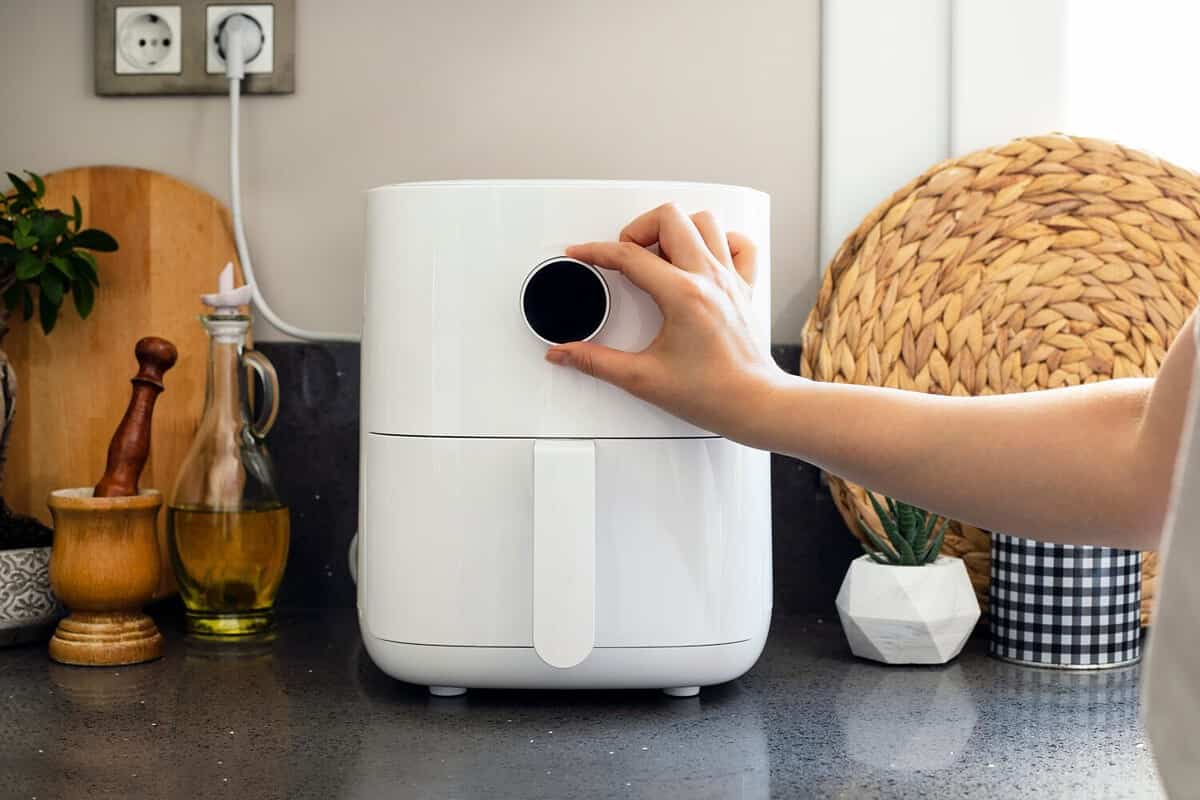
point(233, 45)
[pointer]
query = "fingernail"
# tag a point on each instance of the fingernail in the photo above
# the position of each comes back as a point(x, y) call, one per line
point(557, 356)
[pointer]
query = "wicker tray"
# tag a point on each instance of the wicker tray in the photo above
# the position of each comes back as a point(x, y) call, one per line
point(1050, 261)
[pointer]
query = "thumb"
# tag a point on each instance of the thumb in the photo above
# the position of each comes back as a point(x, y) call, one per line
point(614, 366)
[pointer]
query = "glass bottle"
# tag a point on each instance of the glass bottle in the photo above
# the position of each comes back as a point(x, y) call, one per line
point(227, 527)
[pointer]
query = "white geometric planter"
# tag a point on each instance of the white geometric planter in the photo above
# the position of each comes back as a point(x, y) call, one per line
point(907, 615)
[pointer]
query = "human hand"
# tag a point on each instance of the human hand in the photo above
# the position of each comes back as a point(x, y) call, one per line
point(704, 365)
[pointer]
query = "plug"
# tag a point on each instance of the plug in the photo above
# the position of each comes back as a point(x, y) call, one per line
point(239, 41)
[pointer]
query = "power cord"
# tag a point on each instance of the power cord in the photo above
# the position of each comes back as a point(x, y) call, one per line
point(240, 35)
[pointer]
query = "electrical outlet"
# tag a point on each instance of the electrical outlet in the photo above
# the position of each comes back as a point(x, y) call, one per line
point(134, 54)
point(148, 40)
point(264, 61)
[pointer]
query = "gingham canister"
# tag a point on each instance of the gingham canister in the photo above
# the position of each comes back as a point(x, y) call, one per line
point(1067, 606)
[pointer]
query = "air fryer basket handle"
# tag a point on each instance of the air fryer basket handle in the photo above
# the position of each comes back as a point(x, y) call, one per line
point(564, 551)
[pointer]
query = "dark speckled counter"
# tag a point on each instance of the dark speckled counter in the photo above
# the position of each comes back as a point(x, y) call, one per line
point(308, 715)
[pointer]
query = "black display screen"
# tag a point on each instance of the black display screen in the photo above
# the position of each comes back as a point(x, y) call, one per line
point(565, 301)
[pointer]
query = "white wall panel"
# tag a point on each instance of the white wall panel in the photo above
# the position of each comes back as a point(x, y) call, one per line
point(884, 104)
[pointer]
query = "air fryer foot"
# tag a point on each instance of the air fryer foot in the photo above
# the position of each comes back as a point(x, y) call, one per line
point(682, 691)
point(447, 691)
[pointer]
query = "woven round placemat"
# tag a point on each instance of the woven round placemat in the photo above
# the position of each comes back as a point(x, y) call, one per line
point(1050, 261)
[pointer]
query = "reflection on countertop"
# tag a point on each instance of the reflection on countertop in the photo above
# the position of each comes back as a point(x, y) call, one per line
point(308, 715)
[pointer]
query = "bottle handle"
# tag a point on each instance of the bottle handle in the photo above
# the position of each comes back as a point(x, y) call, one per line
point(270, 383)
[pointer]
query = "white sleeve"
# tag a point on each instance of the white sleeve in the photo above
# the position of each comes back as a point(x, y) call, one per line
point(1172, 673)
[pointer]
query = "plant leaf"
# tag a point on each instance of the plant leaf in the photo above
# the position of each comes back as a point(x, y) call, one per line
point(29, 266)
point(22, 187)
point(39, 185)
point(935, 547)
point(24, 241)
point(8, 253)
point(77, 218)
point(85, 297)
point(887, 552)
point(12, 297)
point(906, 521)
point(930, 521)
point(874, 557)
point(52, 287)
point(85, 265)
point(22, 236)
point(47, 226)
point(901, 545)
point(888, 522)
point(921, 514)
point(26, 302)
point(94, 239)
point(47, 312)
point(907, 557)
point(917, 541)
point(922, 541)
point(63, 266)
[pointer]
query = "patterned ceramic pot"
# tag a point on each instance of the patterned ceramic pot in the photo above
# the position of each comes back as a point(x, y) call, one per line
point(28, 609)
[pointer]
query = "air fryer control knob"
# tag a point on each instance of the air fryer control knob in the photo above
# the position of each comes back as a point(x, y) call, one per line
point(565, 300)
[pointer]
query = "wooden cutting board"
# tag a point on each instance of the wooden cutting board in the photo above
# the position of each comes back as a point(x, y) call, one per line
point(74, 383)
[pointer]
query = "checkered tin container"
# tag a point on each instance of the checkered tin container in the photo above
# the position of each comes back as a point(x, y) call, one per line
point(1065, 606)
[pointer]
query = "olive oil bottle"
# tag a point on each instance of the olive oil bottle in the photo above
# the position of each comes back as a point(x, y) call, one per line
point(228, 565)
point(227, 528)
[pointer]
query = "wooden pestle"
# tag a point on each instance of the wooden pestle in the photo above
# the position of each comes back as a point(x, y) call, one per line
point(130, 445)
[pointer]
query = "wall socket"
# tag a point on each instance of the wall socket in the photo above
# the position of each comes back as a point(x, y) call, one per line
point(148, 48)
point(264, 14)
point(146, 39)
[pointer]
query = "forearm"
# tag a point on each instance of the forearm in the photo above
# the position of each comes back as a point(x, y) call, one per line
point(1089, 464)
point(1065, 465)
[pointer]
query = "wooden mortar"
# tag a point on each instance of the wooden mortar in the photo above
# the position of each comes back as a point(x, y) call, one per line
point(105, 563)
point(105, 568)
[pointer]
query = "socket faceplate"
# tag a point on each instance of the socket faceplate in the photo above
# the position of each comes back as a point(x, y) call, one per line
point(263, 14)
point(191, 77)
point(147, 40)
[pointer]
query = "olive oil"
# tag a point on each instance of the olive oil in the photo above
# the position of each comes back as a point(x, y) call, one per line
point(229, 565)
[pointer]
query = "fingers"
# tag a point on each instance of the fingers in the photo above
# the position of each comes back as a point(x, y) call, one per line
point(745, 255)
point(614, 366)
point(645, 270)
point(714, 236)
point(676, 236)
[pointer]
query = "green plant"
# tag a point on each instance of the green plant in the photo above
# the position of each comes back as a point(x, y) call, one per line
point(914, 535)
point(45, 249)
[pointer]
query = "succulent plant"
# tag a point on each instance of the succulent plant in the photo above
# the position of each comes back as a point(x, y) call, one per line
point(914, 536)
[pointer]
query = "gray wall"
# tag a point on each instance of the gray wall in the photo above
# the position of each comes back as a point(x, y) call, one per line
point(392, 91)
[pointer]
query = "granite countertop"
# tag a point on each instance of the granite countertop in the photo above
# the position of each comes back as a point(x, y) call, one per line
point(309, 715)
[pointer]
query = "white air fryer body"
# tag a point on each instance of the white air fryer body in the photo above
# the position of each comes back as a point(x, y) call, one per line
point(524, 525)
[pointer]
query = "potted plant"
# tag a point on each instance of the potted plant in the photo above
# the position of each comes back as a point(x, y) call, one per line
point(44, 256)
point(903, 602)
